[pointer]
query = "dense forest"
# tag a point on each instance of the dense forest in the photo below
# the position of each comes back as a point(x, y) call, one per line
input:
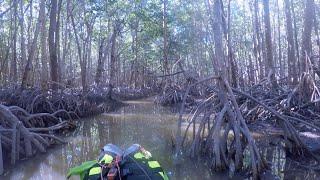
point(232, 65)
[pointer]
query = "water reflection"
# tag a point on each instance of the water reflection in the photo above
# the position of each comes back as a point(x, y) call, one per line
point(282, 167)
point(144, 123)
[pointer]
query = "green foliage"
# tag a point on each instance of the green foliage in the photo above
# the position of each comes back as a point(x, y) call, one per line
point(81, 170)
point(189, 30)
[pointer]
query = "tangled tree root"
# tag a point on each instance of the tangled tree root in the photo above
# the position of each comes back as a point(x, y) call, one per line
point(22, 139)
point(29, 118)
point(212, 134)
point(76, 102)
point(171, 95)
point(219, 129)
point(292, 110)
point(305, 94)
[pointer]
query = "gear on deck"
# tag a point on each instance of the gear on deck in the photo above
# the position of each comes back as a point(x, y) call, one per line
point(135, 163)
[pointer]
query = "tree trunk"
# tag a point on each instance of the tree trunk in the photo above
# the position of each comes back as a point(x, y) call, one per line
point(268, 40)
point(231, 58)
point(219, 55)
point(41, 18)
point(53, 46)
point(66, 41)
point(134, 46)
point(13, 65)
point(316, 30)
point(257, 39)
point(251, 76)
point(22, 34)
point(165, 40)
point(101, 60)
point(281, 63)
point(83, 73)
point(306, 49)
point(230, 114)
point(44, 56)
point(292, 71)
point(57, 39)
point(296, 43)
point(113, 55)
point(86, 55)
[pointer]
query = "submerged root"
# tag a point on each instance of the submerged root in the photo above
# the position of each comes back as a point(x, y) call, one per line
point(212, 136)
point(20, 139)
point(219, 130)
point(29, 119)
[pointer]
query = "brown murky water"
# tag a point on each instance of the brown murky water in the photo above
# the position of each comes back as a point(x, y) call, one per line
point(141, 122)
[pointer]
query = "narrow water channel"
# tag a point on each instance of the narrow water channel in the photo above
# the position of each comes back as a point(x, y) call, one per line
point(140, 122)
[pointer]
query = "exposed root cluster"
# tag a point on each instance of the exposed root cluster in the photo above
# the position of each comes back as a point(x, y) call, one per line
point(30, 119)
point(171, 95)
point(218, 125)
point(222, 133)
point(23, 134)
point(305, 94)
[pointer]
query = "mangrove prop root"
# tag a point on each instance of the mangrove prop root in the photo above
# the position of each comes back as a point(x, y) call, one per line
point(31, 118)
point(226, 109)
point(216, 126)
point(24, 140)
